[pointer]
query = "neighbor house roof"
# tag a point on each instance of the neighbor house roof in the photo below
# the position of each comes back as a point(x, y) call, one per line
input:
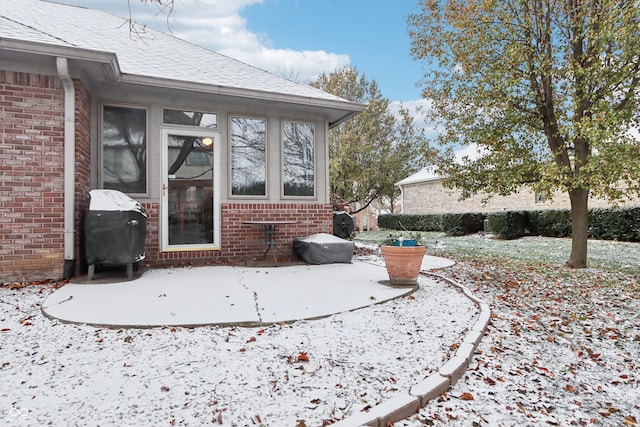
point(145, 56)
point(424, 175)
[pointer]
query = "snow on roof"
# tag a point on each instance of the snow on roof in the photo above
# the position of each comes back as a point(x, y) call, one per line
point(468, 153)
point(424, 175)
point(142, 51)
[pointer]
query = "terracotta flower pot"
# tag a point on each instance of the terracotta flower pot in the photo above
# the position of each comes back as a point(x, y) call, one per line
point(403, 263)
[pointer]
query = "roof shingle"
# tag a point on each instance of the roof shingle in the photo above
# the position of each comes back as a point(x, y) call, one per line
point(141, 51)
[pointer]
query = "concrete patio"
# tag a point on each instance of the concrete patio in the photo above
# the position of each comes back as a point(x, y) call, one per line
point(226, 295)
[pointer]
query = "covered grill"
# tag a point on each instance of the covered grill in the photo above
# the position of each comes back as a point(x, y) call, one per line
point(115, 228)
point(343, 225)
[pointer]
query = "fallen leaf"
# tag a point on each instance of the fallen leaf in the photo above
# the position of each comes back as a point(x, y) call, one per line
point(489, 381)
point(630, 420)
point(302, 357)
point(466, 396)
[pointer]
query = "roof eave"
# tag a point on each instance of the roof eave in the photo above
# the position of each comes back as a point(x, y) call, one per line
point(350, 108)
point(342, 110)
point(110, 60)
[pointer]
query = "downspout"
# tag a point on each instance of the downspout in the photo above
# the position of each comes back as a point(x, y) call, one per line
point(69, 166)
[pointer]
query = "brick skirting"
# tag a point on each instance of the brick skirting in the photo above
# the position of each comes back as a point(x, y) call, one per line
point(241, 242)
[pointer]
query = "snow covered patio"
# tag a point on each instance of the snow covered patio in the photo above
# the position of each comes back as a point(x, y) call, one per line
point(355, 367)
point(226, 295)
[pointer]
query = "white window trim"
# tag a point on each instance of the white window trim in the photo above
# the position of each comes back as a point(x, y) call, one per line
point(164, 209)
point(101, 145)
point(230, 159)
point(315, 161)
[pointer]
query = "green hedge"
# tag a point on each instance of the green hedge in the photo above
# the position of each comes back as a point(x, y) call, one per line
point(604, 223)
point(413, 222)
point(508, 224)
point(550, 223)
point(461, 224)
point(615, 224)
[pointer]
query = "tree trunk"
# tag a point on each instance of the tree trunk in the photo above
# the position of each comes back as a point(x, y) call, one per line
point(579, 227)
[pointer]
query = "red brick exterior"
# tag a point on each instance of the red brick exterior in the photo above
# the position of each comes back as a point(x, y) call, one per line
point(32, 173)
point(31, 176)
point(242, 242)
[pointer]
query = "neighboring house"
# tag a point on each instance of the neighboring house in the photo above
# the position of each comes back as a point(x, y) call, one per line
point(203, 141)
point(424, 193)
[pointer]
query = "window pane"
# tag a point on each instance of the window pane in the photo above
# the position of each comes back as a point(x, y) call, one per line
point(248, 156)
point(298, 148)
point(124, 149)
point(189, 118)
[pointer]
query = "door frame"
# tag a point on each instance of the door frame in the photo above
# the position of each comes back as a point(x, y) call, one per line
point(164, 182)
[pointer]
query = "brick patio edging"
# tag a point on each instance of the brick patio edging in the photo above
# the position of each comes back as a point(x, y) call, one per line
point(407, 404)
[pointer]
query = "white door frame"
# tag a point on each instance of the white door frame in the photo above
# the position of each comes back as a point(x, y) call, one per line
point(164, 201)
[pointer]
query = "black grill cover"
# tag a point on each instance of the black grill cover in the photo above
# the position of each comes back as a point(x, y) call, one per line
point(115, 231)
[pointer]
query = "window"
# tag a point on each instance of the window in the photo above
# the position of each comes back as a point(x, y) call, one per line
point(124, 149)
point(248, 156)
point(298, 145)
point(189, 118)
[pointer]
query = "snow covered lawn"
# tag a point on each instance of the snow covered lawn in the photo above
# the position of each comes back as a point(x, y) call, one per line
point(306, 373)
point(562, 349)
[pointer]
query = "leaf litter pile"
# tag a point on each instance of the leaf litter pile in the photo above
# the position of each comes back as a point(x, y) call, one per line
point(307, 373)
point(562, 348)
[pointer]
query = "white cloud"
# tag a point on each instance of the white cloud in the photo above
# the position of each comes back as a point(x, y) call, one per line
point(470, 153)
point(218, 25)
point(418, 108)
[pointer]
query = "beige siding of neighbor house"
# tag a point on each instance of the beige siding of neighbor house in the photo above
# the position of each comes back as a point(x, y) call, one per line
point(431, 197)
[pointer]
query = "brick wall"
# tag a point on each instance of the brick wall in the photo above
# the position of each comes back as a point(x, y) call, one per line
point(31, 177)
point(32, 174)
point(241, 242)
point(433, 197)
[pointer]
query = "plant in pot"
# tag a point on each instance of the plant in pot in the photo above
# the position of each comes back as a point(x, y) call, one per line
point(403, 258)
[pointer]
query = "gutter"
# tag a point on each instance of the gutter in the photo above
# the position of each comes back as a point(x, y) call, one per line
point(69, 166)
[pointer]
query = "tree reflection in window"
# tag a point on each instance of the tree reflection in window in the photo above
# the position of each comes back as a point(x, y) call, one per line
point(248, 156)
point(298, 159)
point(124, 149)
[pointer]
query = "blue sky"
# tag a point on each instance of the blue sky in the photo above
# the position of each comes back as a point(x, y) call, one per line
point(299, 39)
point(373, 34)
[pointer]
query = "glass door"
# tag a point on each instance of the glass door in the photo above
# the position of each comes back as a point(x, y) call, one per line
point(190, 196)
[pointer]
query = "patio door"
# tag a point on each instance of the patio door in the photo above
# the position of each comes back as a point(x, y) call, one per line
point(190, 189)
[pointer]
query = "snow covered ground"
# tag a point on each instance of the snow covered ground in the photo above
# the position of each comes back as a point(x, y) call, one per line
point(305, 373)
point(562, 349)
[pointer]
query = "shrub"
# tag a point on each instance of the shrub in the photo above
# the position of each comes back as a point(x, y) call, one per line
point(461, 224)
point(414, 222)
point(615, 224)
point(508, 224)
point(550, 222)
